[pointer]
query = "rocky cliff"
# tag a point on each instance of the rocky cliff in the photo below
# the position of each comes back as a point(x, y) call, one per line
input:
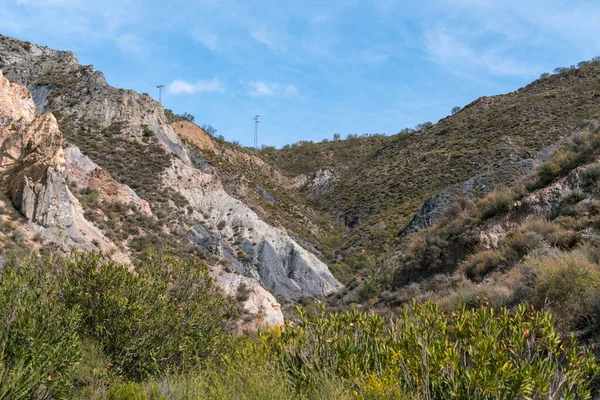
point(34, 174)
point(137, 180)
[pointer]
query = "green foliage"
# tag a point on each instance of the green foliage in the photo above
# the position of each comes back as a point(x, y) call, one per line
point(211, 130)
point(497, 202)
point(82, 327)
point(164, 318)
point(567, 284)
point(39, 346)
point(172, 117)
point(470, 354)
point(591, 176)
point(246, 373)
point(187, 116)
point(577, 151)
point(480, 264)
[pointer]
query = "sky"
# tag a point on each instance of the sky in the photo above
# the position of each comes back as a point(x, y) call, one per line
point(312, 68)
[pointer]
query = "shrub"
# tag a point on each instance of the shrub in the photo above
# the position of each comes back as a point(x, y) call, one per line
point(166, 317)
point(517, 244)
point(481, 353)
point(553, 233)
point(591, 175)
point(242, 293)
point(479, 264)
point(497, 202)
point(426, 250)
point(561, 162)
point(564, 284)
point(39, 347)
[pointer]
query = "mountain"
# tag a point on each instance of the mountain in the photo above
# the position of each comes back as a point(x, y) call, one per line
point(117, 177)
point(141, 178)
point(135, 247)
point(376, 184)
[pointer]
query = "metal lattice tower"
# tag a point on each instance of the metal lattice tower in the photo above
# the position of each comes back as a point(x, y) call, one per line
point(160, 88)
point(256, 122)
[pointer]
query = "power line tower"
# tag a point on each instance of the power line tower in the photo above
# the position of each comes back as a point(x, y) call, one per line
point(160, 88)
point(256, 122)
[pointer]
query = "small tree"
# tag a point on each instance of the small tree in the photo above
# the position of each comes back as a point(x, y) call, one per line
point(209, 129)
point(336, 136)
point(186, 116)
point(424, 125)
point(455, 109)
point(544, 75)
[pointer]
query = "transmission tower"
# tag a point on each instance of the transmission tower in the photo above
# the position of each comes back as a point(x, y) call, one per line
point(160, 88)
point(256, 122)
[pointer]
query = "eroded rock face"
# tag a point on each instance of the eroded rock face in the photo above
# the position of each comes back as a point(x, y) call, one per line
point(196, 135)
point(272, 256)
point(32, 160)
point(33, 169)
point(322, 182)
point(253, 297)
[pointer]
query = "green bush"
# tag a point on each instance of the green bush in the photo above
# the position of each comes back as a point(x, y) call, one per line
point(39, 347)
point(565, 283)
point(498, 202)
point(164, 318)
point(246, 373)
point(469, 354)
point(518, 243)
point(479, 264)
point(591, 175)
point(578, 151)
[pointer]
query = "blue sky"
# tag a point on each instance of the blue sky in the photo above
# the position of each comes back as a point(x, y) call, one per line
point(312, 68)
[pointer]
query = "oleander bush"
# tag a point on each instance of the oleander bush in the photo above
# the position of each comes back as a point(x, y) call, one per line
point(478, 353)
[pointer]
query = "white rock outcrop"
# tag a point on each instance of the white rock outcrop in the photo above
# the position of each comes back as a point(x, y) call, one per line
point(280, 263)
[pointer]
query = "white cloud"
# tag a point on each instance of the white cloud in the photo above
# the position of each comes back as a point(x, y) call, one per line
point(179, 86)
point(449, 50)
point(270, 89)
point(207, 38)
point(265, 37)
point(131, 45)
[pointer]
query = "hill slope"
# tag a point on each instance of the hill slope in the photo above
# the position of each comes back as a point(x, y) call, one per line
point(378, 183)
point(179, 201)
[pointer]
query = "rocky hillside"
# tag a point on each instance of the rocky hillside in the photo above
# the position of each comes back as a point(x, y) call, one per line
point(124, 179)
point(140, 179)
point(376, 184)
point(536, 241)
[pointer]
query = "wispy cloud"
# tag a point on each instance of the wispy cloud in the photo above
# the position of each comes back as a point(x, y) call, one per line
point(131, 45)
point(179, 86)
point(207, 38)
point(267, 38)
point(458, 55)
point(270, 89)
